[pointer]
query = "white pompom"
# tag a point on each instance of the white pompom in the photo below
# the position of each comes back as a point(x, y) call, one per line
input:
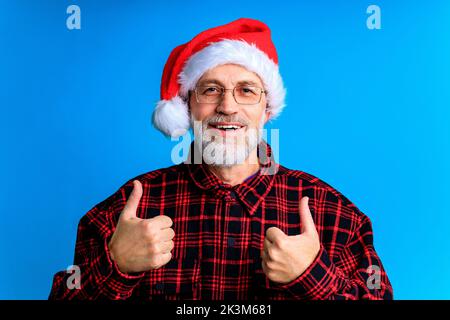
point(171, 117)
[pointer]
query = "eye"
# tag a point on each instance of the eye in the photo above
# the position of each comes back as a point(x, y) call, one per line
point(248, 91)
point(212, 90)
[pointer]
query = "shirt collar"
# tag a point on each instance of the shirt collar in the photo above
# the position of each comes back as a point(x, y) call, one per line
point(250, 192)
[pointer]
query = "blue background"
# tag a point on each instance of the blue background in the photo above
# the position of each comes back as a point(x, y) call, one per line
point(367, 111)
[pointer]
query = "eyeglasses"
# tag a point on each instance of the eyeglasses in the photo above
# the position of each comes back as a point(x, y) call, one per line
point(242, 94)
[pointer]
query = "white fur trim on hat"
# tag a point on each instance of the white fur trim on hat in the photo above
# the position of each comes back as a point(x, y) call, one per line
point(172, 116)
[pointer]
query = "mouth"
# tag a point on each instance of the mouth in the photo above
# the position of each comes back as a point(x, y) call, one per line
point(227, 127)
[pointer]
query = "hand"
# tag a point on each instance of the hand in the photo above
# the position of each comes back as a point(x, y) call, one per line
point(140, 244)
point(285, 258)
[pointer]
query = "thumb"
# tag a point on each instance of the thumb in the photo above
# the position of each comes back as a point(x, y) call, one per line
point(306, 219)
point(129, 211)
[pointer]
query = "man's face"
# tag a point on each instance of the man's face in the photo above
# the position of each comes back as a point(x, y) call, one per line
point(224, 146)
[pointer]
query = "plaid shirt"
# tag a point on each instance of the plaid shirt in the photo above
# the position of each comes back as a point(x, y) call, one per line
point(219, 234)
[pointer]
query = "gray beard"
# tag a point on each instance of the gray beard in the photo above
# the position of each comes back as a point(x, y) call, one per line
point(226, 151)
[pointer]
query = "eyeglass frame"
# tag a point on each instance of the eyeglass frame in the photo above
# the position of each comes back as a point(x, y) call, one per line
point(234, 97)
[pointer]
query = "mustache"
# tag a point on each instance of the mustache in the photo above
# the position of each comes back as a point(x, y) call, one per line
point(225, 118)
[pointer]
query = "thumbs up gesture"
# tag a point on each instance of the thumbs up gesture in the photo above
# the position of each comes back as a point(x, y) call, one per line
point(140, 244)
point(285, 258)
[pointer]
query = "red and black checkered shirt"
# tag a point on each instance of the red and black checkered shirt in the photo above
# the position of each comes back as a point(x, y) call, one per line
point(219, 234)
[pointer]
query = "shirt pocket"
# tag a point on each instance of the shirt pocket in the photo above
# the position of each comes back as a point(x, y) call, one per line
point(177, 280)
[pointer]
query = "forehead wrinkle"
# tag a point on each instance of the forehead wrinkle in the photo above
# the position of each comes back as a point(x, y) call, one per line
point(234, 83)
point(215, 81)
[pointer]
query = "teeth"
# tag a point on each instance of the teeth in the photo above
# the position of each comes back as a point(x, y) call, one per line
point(227, 127)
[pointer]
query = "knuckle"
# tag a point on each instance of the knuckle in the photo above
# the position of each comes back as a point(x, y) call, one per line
point(270, 252)
point(147, 225)
point(163, 220)
point(152, 236)
point(168, 257)
point(279, 242)
point(153, 248)
point(150, 224)
point(154, 263)
point(162, 260)
point(157, 261)
point(168, 220)
point(270, 265)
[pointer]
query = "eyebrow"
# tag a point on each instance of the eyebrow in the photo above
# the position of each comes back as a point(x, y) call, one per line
point(214, 81)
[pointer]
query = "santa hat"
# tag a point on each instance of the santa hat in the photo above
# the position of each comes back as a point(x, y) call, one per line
point(244, 42)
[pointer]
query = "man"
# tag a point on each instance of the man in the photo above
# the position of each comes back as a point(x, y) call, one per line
point(224, 224)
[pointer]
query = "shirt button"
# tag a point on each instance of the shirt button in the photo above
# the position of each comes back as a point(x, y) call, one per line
point(159, 286)
point(231, 242)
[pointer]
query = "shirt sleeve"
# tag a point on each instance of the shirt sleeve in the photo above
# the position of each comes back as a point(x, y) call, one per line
point(357, 273)
point(98, 276)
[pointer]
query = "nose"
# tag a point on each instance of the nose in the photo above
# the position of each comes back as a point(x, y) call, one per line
point(227, 105)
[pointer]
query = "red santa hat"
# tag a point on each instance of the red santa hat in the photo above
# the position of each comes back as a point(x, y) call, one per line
point(245, 42)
